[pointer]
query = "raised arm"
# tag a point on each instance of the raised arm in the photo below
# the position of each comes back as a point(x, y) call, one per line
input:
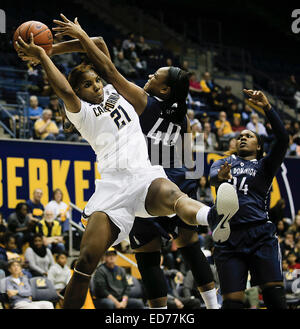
point(278, 150)
point(56, 79)
point(131, 92)
point(73, 46)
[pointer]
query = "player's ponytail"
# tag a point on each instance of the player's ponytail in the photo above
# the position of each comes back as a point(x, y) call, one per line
point(175, 105)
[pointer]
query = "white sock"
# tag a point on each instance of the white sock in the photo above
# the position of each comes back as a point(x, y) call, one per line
point(210, 299)
point(158, 308)
point(201, 216)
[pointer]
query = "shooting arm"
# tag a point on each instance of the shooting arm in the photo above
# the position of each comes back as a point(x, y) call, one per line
point(73, 46)
point(60, 84)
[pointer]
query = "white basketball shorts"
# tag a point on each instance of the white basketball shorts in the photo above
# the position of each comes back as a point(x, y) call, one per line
point(121, 195)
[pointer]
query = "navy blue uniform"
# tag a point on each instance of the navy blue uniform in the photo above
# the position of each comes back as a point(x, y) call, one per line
point(252, 244)
point(164, 140)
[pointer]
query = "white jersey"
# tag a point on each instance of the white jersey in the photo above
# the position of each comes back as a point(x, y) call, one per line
point(112, 129)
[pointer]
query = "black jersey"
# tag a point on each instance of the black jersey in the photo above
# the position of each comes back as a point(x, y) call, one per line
point(164, 137)
point(253, 179)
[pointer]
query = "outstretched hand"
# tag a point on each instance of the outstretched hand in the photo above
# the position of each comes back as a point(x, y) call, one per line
point(67, 27)
point(29, 50)
point(258, 98)
point(224, 172)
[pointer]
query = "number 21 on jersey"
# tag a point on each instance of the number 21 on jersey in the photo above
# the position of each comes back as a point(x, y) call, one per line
point(120, 116)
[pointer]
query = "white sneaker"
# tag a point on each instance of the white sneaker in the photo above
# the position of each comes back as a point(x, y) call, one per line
point(227, 205)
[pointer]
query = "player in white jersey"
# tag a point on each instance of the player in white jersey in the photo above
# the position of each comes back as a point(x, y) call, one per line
point(129, 186)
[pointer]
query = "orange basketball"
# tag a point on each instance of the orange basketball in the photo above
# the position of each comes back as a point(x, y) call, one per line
point(41, 34)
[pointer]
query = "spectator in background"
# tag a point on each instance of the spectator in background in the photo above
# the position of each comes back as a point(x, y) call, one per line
point(204, 118)
point(295, 227)
point(11, 248)
point(288, 244)
point(9, 252)
point(116, 47)
point(256, 126)
point(232, 145)
point(46, 129)
point(290, 87)
point(281, 228)
point(194, 85)
point(169, 62)
point(128, 45)
point(124, 66)
point(3, 225)
point(111, 286)
point(39, 258)
point(35, 77)
point(204, 192)
point(60, 209)
point(19, 290)
point(55, 107)
point(175, 278)
point(206, 83)
point(51, 230)
point(227, 98)
point(214, 101)
point(185, 66)
point(223, 126)
point(210, 139)
point(295, 129)
point(197, 139)
point(246, 113)
point(45, 88)
point(20, 225)
point(292, 150)
point(276, 213)
point(60, 273)
point(297, 250)
point(288, 126)
point(36, 208)
point(232, 110)
point(191, 115)
point(292, 260)
point(142, 48)
point(237, 126)
point(34, 111)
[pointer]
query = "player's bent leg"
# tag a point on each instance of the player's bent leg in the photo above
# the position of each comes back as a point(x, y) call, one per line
point(148, 259)
point(234, 300)
point(99, 235)
point(189, 245)
point(274, 295)
point(165, 198)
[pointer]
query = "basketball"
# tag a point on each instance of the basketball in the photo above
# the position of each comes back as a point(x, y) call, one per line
point(42, 35)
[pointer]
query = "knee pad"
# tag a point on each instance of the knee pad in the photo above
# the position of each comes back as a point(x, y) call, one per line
point(274, 297)
point(193, 255)
point(152, 275)
point(232, 304)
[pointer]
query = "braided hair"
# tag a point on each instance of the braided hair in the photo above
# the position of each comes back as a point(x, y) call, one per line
point(178, 80)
